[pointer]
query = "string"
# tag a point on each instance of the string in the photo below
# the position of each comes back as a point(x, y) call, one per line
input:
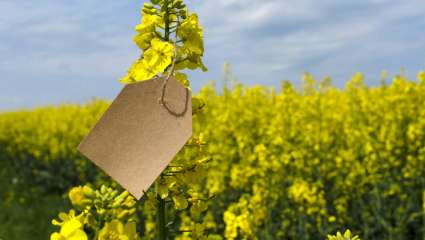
point(164, 88)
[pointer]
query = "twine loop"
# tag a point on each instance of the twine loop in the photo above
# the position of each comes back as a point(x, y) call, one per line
point(164, 88)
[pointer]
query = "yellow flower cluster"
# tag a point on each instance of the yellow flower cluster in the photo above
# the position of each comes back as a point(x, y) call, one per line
point(322, 156)
point(309, 198)
point(159, 20)
point(180, 185)
point(237, 225)
point(156, 59)
point(117, 230)
point(103, 213)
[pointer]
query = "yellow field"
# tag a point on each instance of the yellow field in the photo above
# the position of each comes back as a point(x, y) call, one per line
point(286, 164)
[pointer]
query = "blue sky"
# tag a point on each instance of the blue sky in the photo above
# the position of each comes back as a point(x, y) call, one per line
point(72, 51)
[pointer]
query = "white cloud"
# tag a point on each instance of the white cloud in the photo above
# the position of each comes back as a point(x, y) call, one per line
point(292, 33)
point(265, 40)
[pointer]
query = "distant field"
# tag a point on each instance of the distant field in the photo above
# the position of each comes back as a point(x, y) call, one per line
point(287, 163)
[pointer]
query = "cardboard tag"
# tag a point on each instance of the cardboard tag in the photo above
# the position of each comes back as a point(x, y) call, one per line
point(136, 138)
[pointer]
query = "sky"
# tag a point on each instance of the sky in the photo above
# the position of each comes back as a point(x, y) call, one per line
point(54, 51)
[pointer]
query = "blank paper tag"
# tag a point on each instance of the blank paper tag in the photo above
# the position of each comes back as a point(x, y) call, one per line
point(136, 138)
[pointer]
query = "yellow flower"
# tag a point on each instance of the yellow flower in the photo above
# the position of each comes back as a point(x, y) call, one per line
point(231, 231)
point(149, 22)
point(70, 230)
point(159, 55)
point(191, 32)
point(143, 40)
point(76, 195)
point(68, 217)
point(358, 77)
point(347, 236)
point(300, 191)
point(421, 76)
point(117, 230)
point(146, 30)
point(139, 71)
point(155, 60)
point(182, 78)
point(192, 61)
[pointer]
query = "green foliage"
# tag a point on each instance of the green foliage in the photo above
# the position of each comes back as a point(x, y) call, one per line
point(287, 164)
point(37, 149)
point(21, 219)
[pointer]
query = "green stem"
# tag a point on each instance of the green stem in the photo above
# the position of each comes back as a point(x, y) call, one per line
point(167, 22)
point(162, 234)
point(162, 207)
